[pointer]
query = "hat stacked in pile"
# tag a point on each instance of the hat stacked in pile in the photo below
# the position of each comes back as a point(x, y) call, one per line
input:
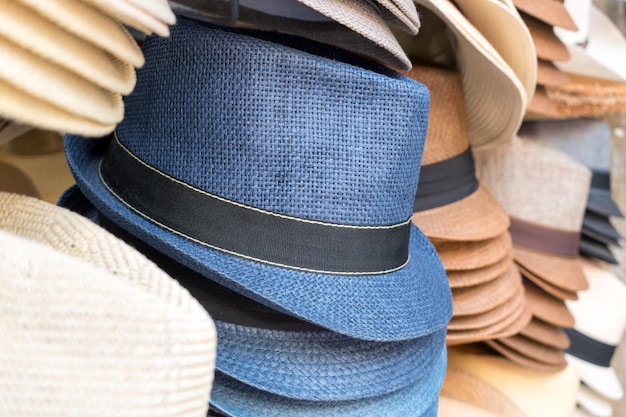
point(275, 177)
point(598, 233)
point(545, 192)
point(71, 61)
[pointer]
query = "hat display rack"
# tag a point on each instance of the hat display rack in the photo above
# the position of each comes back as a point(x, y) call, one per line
point(306, 208)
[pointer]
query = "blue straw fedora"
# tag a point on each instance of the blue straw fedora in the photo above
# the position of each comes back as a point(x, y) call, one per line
point(278, 172)
point(233, 399)
point(280, 354)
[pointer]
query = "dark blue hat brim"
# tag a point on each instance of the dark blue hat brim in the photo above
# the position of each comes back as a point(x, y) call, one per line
point(419, 399)
point(405, 304)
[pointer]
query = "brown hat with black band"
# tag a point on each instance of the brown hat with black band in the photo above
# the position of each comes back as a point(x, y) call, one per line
point(545, 192)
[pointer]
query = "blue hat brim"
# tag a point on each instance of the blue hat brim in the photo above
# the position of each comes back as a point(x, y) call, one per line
point(419, 399)
point(408, 303)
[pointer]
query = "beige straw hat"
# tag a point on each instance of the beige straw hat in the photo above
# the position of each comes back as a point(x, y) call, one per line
point(93, 26)
point(460, 386)
point(468, 278)
point(537, 393)
point(24, 108)
point(473, 255)
point(546, 286)
point(547, 45)
point(475, 214)
point(495, 98)
point(545, 191)
point(550, 75)
point(92, 328)
point(546, 307)
point(58, 86)
point(137, 17)
point(45, 39)
point(552, 12)
point(157, 8)
point(522, 359)
point(488, 318)
point(500, 23)
point(546, 333)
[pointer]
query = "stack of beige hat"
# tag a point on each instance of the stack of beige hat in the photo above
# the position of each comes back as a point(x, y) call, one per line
point(71, 61)
point(465, 223)
point(90, 327)
point(541, 18)
point(545, 192)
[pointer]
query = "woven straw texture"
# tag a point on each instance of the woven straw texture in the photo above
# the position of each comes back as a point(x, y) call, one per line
point(490, 317)
point(494, 97)
point(87, 23)
point(477, 216)
point(546, 333)
point(552, 12)
point(540, 352)
point(546, 307)
point(344, 152)
point(234, 398)
point(471, 277)
point(550, 75)
point(547, 45)
point(536, 183)
point(127, 340)
point(463, 386)
point(557, 271)
point(547, 287)
point(473, 255)
point(523, 360)
point(131, 15)
point(47, 40)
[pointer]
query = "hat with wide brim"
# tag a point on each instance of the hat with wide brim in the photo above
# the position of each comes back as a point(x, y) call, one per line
point(549, 75)
point(541, 107)
point(548, 45)
point(553, 290)
point(546, 333)
point(473, 255)
point(546, 307)
point(488, 318)
point(94, 27)
point(552, 12)
point(43, 38)
point(559, 271)
point(401, 303)
point(471, 277)
point(595, 249)
point(137, 17)
point(494, 97)
point(524, 360)
point(235, 399)
point(603, 380)
point(532, 349)
point(602, 238)
point(601, 202)
point(601, 225)
point(83, 312)
point(594, 403)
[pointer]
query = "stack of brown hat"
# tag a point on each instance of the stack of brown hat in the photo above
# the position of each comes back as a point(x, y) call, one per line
point(542, 17)
point(545, 192)
point(71, 61)
point(464, 221)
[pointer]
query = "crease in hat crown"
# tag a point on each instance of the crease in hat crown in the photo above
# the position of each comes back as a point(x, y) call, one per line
point(288, 131)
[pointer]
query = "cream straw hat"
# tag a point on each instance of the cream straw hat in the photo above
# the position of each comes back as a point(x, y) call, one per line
point(153, 17)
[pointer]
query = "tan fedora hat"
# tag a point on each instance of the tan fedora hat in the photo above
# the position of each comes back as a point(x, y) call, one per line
point(550, 75)
point(58, 86)
point(487, 318)
point(495, 98)
point(537, 393)
point(540, 352)
point(546, 307)
point(522, 359)
point(472, 255)
point(471, 277)
point(500, 23)
point(545, 191)
point(137, 17)
point(553, 12)
point(546, 286)
point(157, 8)
point(468, 389)
point(85, 22)
point(450, 203)
point(547, 45)
point(24, 108)
point(546, 333)
point(93, 326)
point(541, 107)
point(43, 38)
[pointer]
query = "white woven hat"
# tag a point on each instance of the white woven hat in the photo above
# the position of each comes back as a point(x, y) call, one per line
point(89, 327)
point(593, 403)
point(600, 316)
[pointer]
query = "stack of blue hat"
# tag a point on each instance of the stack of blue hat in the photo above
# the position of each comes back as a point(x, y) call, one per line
point(275, 177)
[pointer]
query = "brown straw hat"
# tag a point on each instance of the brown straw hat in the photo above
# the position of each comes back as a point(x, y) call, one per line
point(545, 191)
point(462, 386)
point(546, 333)
point(550, 75)
point(540, 352)
point(85, 22)
point(547, 45)
point(43, 38)
point(471, 277)
point(456, 207)
point(473, 255)
point(541, 107)
point(91, 325)
point(552, 12)
point(137, 17)
point(488, 318)
point(523, 360)
point(546, 286)
point(495, 98)
point(546, 307)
